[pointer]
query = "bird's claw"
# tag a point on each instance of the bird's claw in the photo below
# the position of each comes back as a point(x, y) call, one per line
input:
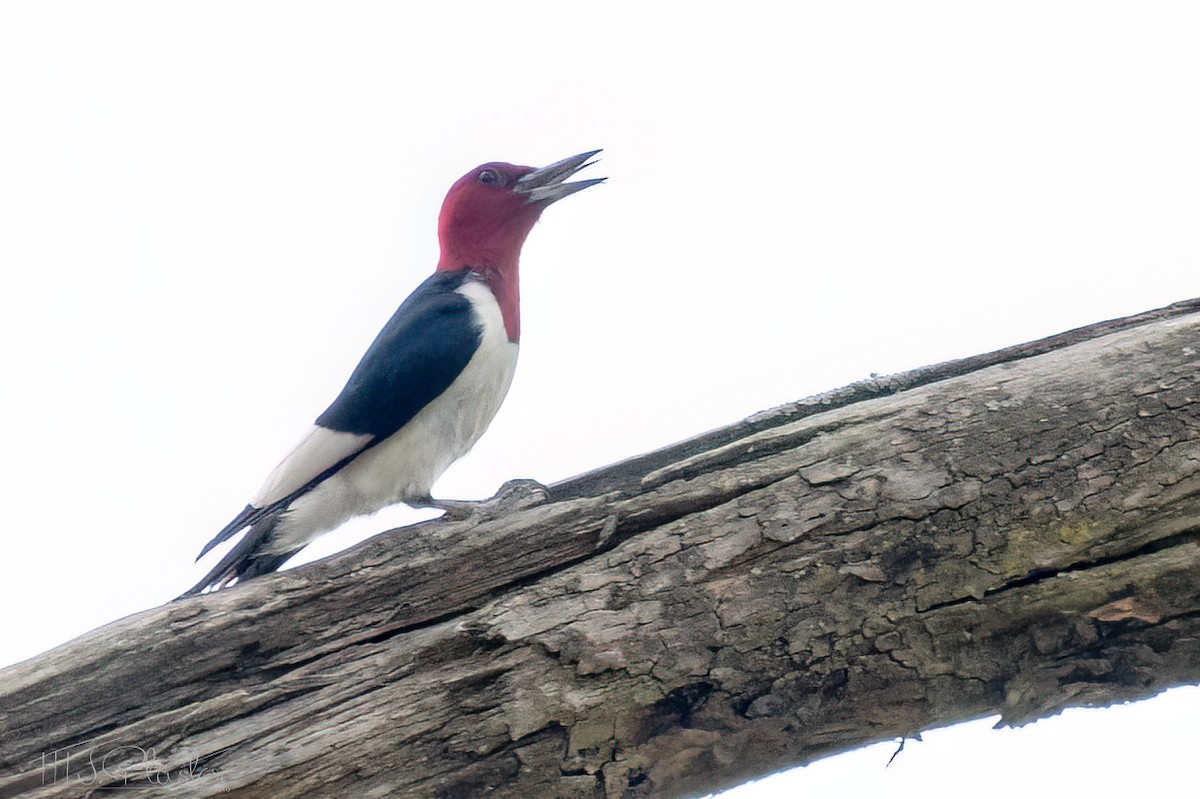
point(519, 494)
point(513, 496)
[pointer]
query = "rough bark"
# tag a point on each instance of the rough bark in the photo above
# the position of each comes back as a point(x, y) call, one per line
point(1014, 533)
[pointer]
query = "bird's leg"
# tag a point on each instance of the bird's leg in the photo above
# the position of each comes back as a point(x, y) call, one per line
point(454, 508)
point(513, 496)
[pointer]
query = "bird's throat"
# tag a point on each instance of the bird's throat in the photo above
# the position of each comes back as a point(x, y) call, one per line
point(507, 289)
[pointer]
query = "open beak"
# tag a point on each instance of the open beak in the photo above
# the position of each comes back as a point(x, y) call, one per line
point(546, 185)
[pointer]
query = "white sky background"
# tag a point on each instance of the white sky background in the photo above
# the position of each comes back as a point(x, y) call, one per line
point(207, 210)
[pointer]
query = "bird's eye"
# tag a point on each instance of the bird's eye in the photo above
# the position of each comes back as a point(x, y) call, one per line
point(489, 177)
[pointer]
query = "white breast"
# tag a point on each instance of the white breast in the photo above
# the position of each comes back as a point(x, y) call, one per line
point(405, 466)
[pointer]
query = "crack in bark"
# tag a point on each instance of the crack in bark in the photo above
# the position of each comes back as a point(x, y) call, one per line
point(1184, 537)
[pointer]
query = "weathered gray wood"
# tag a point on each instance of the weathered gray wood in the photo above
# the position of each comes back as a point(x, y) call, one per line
point(1014, 533)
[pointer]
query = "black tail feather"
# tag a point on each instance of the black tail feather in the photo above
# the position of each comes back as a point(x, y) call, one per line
point(248, 558)
point(247, 517)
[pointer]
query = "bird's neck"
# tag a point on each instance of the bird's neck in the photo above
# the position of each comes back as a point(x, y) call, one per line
point(502, 278)
point(489, 245)
point(504, 284)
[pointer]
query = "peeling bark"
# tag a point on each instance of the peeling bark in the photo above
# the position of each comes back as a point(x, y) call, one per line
point(1013, 533)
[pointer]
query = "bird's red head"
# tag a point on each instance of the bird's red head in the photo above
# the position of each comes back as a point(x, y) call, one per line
point(489, 211)
point(484, 222)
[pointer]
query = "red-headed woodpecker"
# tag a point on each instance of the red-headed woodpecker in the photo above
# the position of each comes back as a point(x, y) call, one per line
point(425, 390)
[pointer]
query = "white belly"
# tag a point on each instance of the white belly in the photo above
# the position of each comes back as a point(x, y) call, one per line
point(405, 465)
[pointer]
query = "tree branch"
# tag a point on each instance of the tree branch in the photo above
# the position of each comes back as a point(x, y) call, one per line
point(1013, 533)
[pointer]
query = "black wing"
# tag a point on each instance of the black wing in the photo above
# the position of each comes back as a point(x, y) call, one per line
point(420, 351)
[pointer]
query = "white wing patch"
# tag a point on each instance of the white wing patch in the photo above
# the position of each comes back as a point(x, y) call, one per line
point(320, 449)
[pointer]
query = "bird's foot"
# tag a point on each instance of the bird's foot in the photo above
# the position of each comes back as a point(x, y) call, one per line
point(518, 494)
point(513, 496)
